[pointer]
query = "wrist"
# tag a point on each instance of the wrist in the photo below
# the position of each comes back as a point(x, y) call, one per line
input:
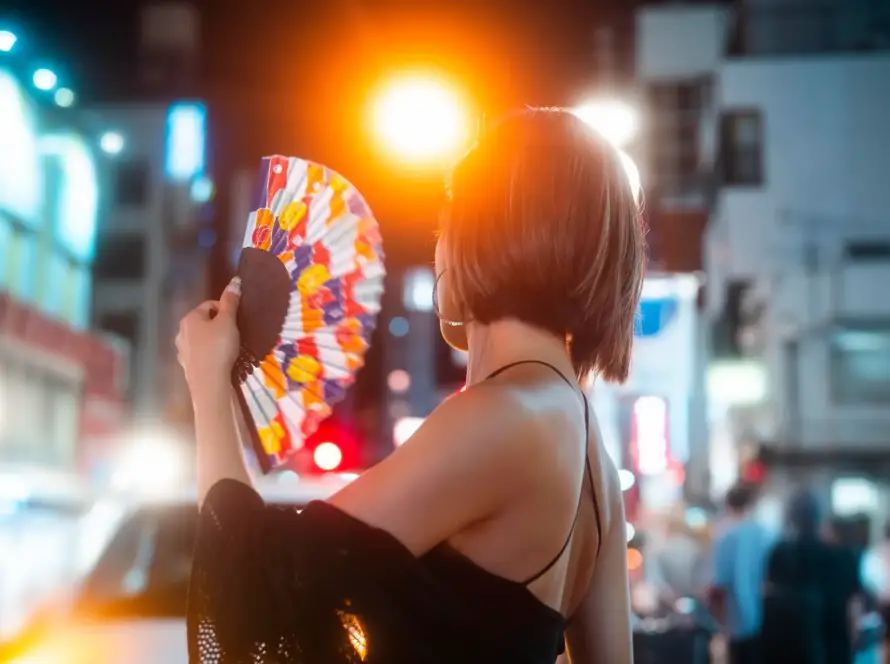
point(210, 394)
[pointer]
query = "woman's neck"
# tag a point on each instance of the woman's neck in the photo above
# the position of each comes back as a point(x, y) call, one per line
point(499, 344)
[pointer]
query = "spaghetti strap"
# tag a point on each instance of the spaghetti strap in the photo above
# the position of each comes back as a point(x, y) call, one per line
point(588, 472)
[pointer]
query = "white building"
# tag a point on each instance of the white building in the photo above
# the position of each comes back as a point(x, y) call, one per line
point(787, 144)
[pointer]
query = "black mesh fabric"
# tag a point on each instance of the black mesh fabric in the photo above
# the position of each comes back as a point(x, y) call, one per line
point(273, 585)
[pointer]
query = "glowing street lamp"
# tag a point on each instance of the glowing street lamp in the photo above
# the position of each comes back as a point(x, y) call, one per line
point(45, 79)
point(7, 41)
point(421, 120)
point(616, 121)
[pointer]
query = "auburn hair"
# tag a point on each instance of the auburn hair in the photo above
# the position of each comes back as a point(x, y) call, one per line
point(542, 226)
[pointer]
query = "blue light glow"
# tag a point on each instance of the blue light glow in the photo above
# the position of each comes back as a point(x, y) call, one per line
point(80, 316)
point(24, 275)
point(20, 174)
point(7, 40)
point(76, 216)
point(45, 79)
point(5, 254)
point(186, 141)
point(55, 290)
point(655, 315)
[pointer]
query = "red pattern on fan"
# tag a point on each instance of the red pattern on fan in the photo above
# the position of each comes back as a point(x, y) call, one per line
point(321, 229)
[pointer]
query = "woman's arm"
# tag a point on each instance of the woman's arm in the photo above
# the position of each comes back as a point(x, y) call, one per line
point(219, 448)
point(208, 345)
point(600, 630)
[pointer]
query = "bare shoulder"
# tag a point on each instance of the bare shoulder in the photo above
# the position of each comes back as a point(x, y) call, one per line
point(490, 420)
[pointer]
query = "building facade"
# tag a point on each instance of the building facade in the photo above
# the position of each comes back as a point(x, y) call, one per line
point(153, 242)
point(787, 149)
point(60, 385)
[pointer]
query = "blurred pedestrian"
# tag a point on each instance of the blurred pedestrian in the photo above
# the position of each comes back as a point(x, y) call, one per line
point(502, 516)
point(810, 591)
point(677, 567)
point(740, 552)
point(876, 578)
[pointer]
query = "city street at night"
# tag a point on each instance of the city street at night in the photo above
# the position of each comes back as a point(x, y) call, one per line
point(349, 164)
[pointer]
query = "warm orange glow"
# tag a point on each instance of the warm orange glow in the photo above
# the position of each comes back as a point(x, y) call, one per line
point(634, 559)
point(356, 634)
point(421, 120)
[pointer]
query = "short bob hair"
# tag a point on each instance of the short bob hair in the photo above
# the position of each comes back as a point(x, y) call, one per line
point(543, 226)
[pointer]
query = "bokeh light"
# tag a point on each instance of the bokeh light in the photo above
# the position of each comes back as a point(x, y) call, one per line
point(328, 456)
point(421, 120)
point(111, 142)
point(7, 41)
point(45, 79)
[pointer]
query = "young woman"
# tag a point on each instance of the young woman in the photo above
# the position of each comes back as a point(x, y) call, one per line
point(497, 533)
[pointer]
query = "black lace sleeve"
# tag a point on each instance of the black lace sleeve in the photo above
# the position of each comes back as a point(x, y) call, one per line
point(267, 585)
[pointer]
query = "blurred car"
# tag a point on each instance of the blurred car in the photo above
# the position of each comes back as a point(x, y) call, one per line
point(132, 606)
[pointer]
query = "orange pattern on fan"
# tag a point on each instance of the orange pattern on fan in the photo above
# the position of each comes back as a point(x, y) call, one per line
point(320, 228)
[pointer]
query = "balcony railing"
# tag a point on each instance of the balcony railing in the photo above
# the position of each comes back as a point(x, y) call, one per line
point(810, 30)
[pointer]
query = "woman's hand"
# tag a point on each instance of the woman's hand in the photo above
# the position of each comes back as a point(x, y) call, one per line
point(208, 341)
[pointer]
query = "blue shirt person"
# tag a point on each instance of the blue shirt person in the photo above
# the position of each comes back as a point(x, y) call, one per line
point(740, 556)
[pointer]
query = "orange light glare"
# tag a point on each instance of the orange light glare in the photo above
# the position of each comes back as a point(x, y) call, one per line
point(328, 456)
point(634, 559)
point(421, 120)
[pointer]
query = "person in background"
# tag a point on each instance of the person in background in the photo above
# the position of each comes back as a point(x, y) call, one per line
point(811, 588)
point(876, 579)
point(740, 553)
point(676, 567)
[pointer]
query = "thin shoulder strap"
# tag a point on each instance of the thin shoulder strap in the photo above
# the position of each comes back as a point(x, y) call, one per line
point(589, 472)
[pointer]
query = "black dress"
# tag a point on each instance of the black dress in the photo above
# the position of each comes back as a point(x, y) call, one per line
point(320, 587)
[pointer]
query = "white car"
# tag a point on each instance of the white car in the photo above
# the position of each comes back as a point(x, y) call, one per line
point(132, 606)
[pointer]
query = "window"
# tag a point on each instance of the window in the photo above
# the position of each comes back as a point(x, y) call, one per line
point(860, 365)
point(120, 258)
point(876, 250)
point(131, 184)
point(674, 138)
point(742, 148)
point(124, 325)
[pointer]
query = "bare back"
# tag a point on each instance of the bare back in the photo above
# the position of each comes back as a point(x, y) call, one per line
point(551, 536)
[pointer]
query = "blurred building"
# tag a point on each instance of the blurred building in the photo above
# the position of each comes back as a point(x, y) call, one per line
point(156, 233)
point(783, 140)
point(60, 384)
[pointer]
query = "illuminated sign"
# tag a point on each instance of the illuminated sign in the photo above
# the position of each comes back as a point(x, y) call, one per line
point(653, 316)
point(78, 197)
point(186, 141)
point(650, 438)
point(20, 181)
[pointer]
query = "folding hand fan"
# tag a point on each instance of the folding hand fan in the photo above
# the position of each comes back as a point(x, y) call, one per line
point(311, 271)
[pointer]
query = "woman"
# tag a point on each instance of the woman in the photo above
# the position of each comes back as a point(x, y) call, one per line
point(502, 517)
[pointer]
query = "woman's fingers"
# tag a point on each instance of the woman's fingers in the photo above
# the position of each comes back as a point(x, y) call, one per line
point(207, 309)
